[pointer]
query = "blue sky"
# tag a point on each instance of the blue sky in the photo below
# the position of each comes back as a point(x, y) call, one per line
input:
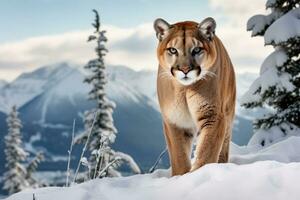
point(44, 32)
point(29, 18)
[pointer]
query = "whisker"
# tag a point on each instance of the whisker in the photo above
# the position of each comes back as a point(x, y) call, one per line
point(206, 74)
point(165, 74)
point(209, 73)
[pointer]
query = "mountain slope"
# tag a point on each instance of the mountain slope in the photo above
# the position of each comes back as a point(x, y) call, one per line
point(51, 106)
point(29, 85)
point(50, 97)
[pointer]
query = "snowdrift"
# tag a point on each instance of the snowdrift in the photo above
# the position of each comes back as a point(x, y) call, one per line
point(262, 180)
point(285, 151)
point(272, 177)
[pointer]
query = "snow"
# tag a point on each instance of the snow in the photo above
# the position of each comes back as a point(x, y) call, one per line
point(57, 158)
point(284, 151)
point(43, 124)
point(29, 85)
point(269, 73)
point(286, 27)
point(254, 173)
point(258, 23)
point(270, 3)
point(29, 146)
point(130, 161)
point(128, 94)
point(65, 81)
point(51, 177)
point(273, 135)
point(276, 58)
point(262, 180)
point(68, 87)
point(130, 85)
point(269, 77)
point(19, 93)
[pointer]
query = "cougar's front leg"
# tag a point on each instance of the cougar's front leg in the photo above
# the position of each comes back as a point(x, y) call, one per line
point(212, 133)
point(224, 154)
point(179, 143)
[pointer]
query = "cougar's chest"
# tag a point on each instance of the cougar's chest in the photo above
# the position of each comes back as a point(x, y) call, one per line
point(177, 112)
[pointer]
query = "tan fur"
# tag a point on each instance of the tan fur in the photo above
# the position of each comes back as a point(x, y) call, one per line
point(204, 109)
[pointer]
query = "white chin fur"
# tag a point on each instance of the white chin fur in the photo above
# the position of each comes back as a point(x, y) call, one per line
point(192, 77)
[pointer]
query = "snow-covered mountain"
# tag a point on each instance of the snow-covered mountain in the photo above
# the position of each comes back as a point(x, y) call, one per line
point(50, 97)
point(29, 85)
point(122, 81)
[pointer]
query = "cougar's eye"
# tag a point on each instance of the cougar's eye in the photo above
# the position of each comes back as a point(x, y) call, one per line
point(197, 50)
point(172, 50)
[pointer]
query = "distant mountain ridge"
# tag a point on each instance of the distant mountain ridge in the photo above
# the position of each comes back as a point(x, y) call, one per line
point(50, 97)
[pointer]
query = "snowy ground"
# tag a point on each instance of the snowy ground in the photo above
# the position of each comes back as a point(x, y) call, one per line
point(270, 173)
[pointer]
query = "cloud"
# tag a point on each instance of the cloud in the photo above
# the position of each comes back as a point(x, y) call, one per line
point(33, 52)
point(247, 53)
point(238, 12)
point(134, 47)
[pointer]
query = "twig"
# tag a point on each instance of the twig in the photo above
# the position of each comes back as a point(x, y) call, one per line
point(70, 153)
point(107, 166)
point(97, 160)
point(101, 159)
point(85, 145)
point(158, 160)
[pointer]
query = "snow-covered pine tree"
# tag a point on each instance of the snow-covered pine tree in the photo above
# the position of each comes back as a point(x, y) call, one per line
point(15, 177)
point(278, 86)
point(18, 176)
point(103, 160)
point(32, 167)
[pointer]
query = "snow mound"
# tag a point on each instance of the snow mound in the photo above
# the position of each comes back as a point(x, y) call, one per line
point(286, 27)
point(261, 180)
point(274, 134)
point(283, 151)
point(258, 180)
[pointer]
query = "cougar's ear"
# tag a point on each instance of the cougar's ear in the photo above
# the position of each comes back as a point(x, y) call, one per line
point(161, 28)
point(207, 28)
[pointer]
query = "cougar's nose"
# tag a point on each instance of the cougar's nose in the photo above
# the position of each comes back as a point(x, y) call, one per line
point(185, 69)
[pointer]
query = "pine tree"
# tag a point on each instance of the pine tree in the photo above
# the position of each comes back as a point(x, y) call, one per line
point(18, 176)
point(32, 167)
point(103, 160)
point(278, 87)
point(15, 177)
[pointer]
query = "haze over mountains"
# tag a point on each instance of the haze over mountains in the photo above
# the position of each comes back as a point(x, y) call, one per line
point(50, 97)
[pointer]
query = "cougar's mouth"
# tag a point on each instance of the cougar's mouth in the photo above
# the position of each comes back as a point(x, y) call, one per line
point(187, 78)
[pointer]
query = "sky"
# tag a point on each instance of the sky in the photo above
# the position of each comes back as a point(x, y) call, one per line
point(44, 32)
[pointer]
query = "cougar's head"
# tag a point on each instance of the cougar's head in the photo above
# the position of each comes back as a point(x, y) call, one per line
point(186, 50)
